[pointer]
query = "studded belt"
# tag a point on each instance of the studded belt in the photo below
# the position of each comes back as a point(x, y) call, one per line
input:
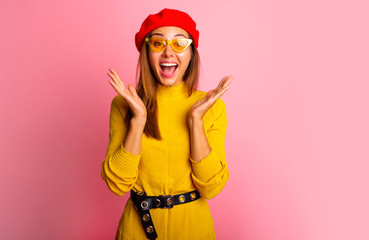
point(143, 203)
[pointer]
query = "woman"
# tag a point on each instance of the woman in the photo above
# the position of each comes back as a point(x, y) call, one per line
point(167, 139)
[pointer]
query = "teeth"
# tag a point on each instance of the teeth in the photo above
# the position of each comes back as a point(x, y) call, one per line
point(168, 64)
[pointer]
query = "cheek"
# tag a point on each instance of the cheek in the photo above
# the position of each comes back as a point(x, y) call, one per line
point(186, 59)
point(153, 60)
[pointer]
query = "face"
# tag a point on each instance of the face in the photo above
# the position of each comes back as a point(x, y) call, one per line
point(169, 66)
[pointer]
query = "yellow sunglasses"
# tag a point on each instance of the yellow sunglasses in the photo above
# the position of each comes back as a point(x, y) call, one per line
point(159, 44)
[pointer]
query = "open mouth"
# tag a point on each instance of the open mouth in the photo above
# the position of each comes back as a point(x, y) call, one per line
point(168, 69)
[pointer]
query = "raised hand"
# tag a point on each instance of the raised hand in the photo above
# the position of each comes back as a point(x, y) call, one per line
point(133, 101)
point(199, 109)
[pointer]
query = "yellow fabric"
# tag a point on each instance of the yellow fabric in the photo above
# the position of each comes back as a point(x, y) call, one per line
point(165, 167)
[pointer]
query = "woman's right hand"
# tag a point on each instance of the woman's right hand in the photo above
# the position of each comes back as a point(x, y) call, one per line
point(130, 96)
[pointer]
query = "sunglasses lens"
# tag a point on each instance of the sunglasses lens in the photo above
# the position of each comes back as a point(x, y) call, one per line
point(157, 44)
point(179, 45)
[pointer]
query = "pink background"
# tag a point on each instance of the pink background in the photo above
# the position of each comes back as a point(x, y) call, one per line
point(298, 112)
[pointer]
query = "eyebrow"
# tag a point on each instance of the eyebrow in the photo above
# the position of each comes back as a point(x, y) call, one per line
point(176, 35)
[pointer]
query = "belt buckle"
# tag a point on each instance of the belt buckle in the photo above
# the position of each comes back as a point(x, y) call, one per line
point(169, 201)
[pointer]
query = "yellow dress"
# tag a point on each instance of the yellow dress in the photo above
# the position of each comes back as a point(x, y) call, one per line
point(165, 167)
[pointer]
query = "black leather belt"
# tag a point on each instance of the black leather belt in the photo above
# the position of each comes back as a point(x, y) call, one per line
point(143, 203)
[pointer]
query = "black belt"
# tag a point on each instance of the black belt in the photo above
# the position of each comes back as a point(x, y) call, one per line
point(143, 203)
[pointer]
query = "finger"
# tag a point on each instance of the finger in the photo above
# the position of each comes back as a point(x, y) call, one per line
point(121, 92)
point(220, 93)
point(119, 87)
point(117, 80)
point(216, 95)
point(225, 81)
point(116, 74)
point(209, 94)
point(132, 89)
point(111, 76)
point(115, 85)
point(111, 73)
point(112, 83)
point(114, 78)
point(220, 84)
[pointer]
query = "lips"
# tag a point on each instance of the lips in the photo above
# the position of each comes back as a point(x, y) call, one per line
point(168, 69)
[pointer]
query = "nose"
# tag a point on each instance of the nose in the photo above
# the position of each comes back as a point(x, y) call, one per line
point(168, 51)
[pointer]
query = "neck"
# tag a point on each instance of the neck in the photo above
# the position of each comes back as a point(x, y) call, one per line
point(178, 90)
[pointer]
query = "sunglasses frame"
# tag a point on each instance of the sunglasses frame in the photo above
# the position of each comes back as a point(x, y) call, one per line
point(168, 42)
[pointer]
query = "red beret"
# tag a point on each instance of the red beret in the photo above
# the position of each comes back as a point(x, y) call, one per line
point(167, 17)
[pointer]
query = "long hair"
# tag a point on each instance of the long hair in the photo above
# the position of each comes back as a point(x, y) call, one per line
point(146, 88)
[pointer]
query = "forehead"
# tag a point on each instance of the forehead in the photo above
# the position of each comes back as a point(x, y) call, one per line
point(170, 32)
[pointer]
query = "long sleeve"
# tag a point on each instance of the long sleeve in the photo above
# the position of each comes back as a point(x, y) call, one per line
point(120, 167)
point(211, 173)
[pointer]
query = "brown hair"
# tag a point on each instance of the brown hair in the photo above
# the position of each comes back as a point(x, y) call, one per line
point(146, 88)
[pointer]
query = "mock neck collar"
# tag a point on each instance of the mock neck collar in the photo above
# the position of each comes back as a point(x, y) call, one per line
point(179, 90)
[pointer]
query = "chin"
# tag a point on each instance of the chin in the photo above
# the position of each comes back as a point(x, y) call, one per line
point(169, 82)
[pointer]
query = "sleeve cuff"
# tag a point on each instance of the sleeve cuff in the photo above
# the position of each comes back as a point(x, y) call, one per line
point(207, 167)
point(125, 161)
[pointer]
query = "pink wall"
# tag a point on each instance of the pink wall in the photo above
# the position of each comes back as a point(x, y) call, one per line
point(298, 109)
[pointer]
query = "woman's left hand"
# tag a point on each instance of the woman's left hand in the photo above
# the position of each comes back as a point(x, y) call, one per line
point(199, 109)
